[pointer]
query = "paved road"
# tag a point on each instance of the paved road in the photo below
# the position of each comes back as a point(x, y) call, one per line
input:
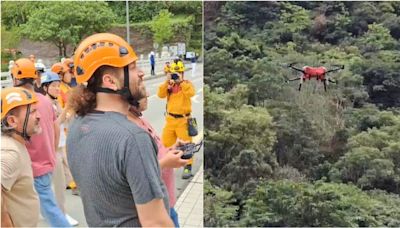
point(155, 114)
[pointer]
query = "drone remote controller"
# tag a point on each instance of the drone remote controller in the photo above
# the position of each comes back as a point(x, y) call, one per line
point(189, 149)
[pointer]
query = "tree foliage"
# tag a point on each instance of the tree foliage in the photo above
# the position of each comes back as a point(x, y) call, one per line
point(221, 206)
point(142, 11)
point(14, 14)
point(161, 27)
point(186, 22)
point(284, 203)
point(64, 23)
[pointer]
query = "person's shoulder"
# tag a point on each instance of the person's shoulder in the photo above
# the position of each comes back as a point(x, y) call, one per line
point(44, 103)
point(40, 96)
point(11, 144)
point(115, 122)
point(43, 99)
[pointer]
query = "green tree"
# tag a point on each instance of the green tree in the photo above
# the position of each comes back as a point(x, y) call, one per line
point(219, 206)
point(284, 203)
point(14, 14)
point(331, 23)
point(219, 70)
point(377, 38)
point(64, 23)
point(381, 74)
point(139, 11)
point(161, 25)
point(243, 173)
point(243, 15)
point(11, 38)
point(233, 132)
point(363, 14)
point(372, 161)
point(186, 7)
point(294, 18)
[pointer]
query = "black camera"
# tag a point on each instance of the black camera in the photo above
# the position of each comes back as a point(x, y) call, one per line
point(174, 76)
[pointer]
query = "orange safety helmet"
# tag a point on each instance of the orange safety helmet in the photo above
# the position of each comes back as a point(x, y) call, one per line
point(69, 63)
point(24, 68)
point(13, 97)
point(99, 50)
point(58, 68)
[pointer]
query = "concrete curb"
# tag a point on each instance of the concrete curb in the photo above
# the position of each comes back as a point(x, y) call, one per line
point(190, 203)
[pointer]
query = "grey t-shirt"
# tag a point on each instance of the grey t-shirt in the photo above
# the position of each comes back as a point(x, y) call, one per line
point(114, 163)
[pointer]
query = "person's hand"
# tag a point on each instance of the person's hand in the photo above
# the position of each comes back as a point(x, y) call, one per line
point(172, 159)
point(169, 79)
point(180, 78)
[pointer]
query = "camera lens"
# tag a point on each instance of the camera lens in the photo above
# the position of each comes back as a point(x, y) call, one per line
point(174, 76)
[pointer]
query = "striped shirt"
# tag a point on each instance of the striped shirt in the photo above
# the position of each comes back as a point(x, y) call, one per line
point(114, 163)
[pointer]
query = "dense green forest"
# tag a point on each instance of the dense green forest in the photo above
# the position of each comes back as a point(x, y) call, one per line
point(275, 156)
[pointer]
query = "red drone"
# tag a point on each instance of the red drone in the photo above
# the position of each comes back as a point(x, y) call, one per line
point(318, 73)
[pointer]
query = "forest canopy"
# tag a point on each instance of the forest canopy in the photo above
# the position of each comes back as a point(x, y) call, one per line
point(279, 157)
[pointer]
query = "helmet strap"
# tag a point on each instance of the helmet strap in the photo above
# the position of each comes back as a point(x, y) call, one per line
point(47, 92)
point(24, 81)
point(134, 110)
point(124, 92)
point(24, 133)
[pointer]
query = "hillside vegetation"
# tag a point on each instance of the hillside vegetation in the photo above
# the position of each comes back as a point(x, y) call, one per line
point(275, 156)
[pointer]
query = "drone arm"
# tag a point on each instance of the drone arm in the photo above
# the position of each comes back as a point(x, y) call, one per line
point(297, 69)
point(336, 69)
point(331, 81)
point(293, 79)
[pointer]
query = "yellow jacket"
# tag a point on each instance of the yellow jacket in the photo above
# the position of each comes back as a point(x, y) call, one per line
point(178, 101)
point(64, 89)
point(177, 67)
point(167, 69)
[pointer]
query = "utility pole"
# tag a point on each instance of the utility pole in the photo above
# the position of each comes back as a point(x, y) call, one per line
point(127, 22)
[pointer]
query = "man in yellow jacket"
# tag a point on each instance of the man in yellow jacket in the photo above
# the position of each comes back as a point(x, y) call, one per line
point(167, 68)
point(178, 109)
